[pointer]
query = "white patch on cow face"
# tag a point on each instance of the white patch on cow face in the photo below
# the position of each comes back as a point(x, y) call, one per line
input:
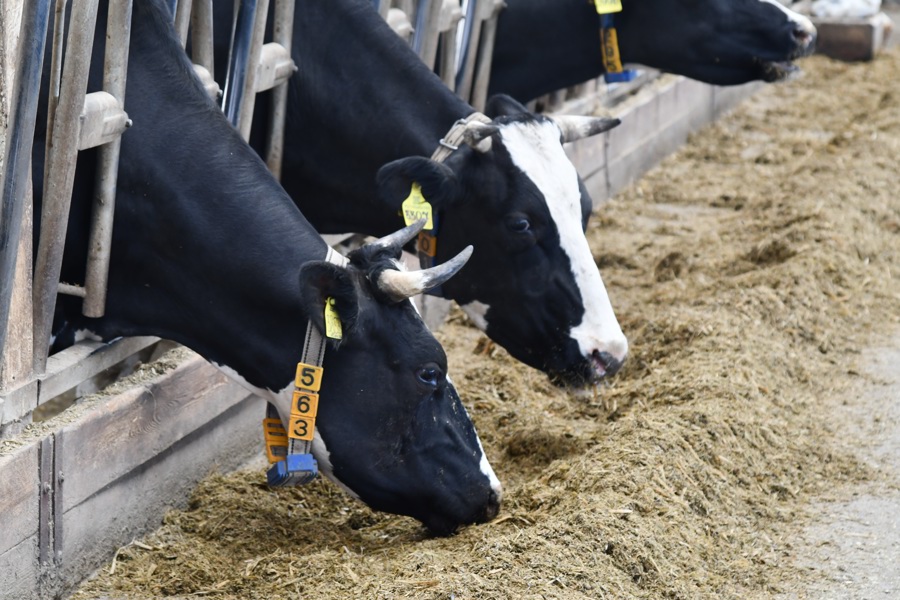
point(536, 150)
point(483, 465)
point(802, 22)
point(477, 311)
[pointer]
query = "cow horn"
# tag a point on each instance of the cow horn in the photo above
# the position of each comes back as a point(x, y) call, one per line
point(478, 135)
point(398, 239)
point(577, 127)
point(400, 285)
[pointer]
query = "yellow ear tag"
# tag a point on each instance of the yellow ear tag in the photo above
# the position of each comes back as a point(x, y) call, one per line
point(416, 207)
point(605, 7)
point(332, 320)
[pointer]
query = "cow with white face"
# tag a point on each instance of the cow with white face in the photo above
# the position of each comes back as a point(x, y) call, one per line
point(364, 108)
point(210, 252)
point(546, 45)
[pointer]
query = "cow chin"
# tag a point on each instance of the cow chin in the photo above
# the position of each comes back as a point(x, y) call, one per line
point(778, 71)
point(443, 526)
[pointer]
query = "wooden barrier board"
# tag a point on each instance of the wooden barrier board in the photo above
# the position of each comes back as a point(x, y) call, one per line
point(81, 490)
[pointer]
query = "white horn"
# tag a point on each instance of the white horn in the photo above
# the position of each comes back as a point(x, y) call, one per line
point(400, 285)
point(577, 127)
point(398, 239)
point(478, 135)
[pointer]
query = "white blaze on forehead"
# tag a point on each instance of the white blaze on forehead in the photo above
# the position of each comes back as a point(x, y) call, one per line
point(803, 22)
point(536, 150)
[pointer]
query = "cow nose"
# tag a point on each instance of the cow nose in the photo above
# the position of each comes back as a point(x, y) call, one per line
point(804, 35)
point(493, 506)
point(610, 364)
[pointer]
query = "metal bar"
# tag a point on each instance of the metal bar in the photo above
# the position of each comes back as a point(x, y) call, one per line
point(58, 497)
point(71, 290)
point(450, 15)
point(425, 35)
point(202, 34)
point(45, 510)
point(282, 33)
point(238, 59)
point(482, 74)
point(182, 19)
point(60, 168)
point(59, 30)
point(383, 7)
point(115, 70)
point(245, 118)
point(173, 7)
point(467, 49)
point(20, 137)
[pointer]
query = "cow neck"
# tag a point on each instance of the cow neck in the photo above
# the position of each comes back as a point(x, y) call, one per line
point(426, 247)
point(562, 50)
point(365, 101)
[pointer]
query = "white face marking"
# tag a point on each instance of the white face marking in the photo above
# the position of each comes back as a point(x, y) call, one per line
point(483, 464)
point(476, 311)
point(802, 22)
point(536, 150)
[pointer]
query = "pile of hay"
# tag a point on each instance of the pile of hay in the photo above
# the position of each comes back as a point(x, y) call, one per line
point(748, 271)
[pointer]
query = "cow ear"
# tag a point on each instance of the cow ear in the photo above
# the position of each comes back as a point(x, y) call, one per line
point(502, 105)
point(320, 282)
point(438, 182)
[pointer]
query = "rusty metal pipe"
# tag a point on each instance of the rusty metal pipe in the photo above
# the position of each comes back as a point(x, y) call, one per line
point(19, 140)
point(115, 68)
point(61, 156)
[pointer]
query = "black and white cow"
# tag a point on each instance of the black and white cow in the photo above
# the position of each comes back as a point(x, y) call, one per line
point(363, 107)
point(547, 45)
point(209, 251)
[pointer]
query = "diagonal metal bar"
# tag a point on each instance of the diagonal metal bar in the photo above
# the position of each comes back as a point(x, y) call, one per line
point(282, 32)
point(20, 136)
point(62, 152)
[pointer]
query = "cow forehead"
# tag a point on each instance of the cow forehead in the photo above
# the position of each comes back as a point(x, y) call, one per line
point(534, 147)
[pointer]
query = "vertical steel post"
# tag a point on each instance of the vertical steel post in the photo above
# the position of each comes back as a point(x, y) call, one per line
point(248, 102)
point(202, 34)
point(115, 68)
point(482, 74)
point(425, 35)
point(62, 152)
point(282, 33)
point(238, 59)
point(182, 17)
point(19, 140)
point(468, 48)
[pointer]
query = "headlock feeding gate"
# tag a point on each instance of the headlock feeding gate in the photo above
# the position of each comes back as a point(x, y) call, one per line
point(127, 458)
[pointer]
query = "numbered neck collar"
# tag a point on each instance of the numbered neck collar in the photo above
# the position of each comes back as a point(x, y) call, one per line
point(289, 449)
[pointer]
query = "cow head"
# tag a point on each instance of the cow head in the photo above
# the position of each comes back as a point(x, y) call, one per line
point(533, 286)
point(391, 429)
point(718, 41)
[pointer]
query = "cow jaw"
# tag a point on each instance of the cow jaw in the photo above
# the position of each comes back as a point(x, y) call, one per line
point(535, 149)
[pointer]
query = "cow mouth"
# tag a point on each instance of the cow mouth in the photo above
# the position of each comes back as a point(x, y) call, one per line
point(778, 70)
point(595, 368)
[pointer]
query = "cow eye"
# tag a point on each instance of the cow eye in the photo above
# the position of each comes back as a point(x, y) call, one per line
point(519, 224)
point(429, 375)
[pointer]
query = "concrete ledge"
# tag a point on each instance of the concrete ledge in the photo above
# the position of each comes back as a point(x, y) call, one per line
point(852, 39)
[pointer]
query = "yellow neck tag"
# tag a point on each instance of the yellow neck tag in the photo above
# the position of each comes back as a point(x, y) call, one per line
point(332, 320)
point(605, 7)
point(415, 207)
